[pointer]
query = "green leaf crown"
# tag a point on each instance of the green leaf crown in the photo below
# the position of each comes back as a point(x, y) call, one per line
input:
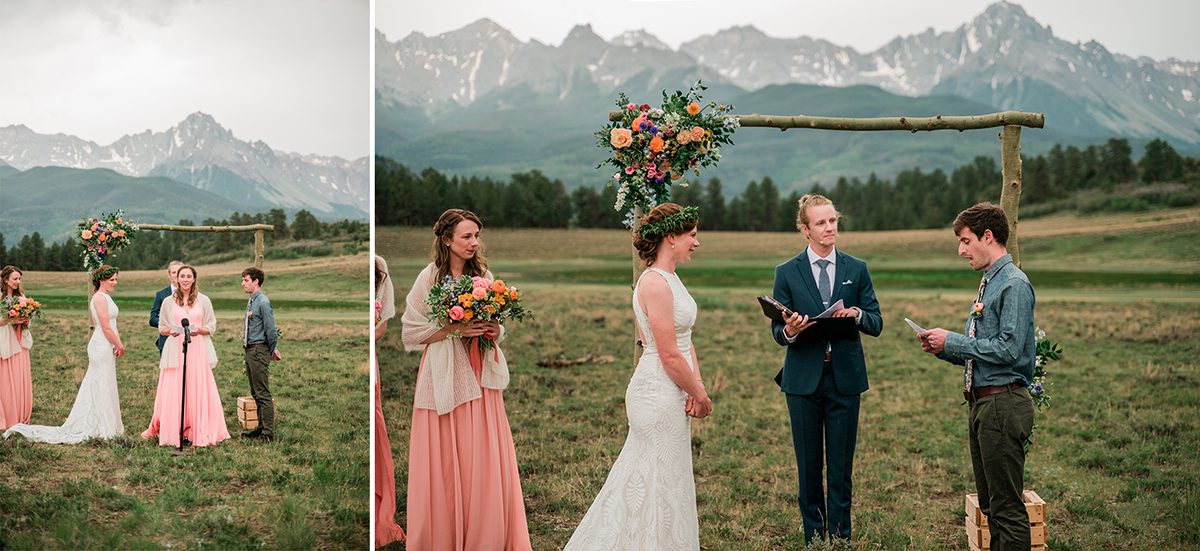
point(105, 273)
point(672, 224)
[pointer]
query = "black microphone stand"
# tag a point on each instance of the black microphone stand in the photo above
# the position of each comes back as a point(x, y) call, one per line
point(187, 339)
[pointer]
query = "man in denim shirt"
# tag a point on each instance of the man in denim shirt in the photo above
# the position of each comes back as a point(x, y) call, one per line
point(997, 355)
point(259, 339)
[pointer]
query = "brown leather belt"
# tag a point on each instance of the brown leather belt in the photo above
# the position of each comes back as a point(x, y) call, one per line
point(982, 391)
point(828, 356)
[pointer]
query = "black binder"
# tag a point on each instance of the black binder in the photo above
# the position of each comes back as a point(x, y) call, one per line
point(825, 329)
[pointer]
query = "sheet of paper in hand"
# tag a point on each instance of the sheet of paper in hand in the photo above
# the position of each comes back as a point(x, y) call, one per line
point(828, 313)
point(914, 326)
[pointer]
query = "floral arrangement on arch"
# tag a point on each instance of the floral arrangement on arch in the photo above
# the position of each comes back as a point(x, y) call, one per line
point(651, 147)
point(1047, 351)
point(103, 236)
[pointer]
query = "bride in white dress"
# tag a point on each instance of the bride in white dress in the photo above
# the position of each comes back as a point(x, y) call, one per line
point(648, 501)
point(97, 411)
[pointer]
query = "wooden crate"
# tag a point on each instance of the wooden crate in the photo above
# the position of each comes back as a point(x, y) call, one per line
point(247, 412)
point(978, 537)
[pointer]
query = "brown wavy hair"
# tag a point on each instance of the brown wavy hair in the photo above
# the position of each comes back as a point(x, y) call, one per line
point(101, 268)
point(7, 271)
point(444, 229)
point(191, 298)
point(647, 247)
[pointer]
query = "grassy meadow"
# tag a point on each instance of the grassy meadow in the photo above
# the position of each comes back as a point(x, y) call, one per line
point(1114, 455)
point(306, 490)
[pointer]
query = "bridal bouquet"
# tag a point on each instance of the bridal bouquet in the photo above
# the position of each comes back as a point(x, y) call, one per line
point(475, 298)
point(105, 235)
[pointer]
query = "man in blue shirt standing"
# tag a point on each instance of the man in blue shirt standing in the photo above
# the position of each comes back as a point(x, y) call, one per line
point(259, 339)
point(997, 353)
point(160, 296)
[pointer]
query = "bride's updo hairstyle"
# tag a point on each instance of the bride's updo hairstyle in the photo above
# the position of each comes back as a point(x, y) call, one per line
point(102, 273)
point(663, 220)
point(443, 231)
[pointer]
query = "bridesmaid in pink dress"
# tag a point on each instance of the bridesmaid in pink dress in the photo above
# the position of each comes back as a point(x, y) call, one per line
point(16, 385)
point(386, 528)
point(203, 416)
point(464, 490)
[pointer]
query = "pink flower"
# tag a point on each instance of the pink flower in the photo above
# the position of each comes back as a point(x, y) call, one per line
point(651, 166)
point(12, 313)
point(23, 301)
point(697, 133)
point(632, 107)
point(479, 293)
point(456, 313)
point(476, 281)
point(629, 170)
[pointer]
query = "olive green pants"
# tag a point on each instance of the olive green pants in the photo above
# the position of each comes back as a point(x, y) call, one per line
point(999, 426)
point(258, 370)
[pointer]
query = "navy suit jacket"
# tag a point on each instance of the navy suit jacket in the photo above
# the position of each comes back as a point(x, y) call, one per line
point(159, 297)
point(796, 289)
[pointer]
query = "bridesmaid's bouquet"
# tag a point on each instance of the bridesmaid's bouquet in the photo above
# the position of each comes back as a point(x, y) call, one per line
point(21, 307)
point(475, 298)
point(17, 307)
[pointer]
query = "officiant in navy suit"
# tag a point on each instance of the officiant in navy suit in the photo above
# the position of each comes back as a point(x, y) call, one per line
point(822, 379)
point(160, 296)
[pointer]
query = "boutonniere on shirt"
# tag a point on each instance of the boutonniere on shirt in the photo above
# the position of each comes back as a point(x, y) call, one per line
point(249, 313)
point(977, 310)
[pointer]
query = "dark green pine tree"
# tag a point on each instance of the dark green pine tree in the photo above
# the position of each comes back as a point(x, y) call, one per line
point(1161, 163)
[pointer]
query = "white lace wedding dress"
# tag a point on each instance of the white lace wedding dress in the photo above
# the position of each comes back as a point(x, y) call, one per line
point(649, 500)
point(97, 411)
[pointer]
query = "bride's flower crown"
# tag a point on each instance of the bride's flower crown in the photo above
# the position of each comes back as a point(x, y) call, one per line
point(674, 223)
point(105, 273)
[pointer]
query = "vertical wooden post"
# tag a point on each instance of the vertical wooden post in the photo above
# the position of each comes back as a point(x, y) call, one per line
point(1010, 193)
point(638, 268)
point(259, 249)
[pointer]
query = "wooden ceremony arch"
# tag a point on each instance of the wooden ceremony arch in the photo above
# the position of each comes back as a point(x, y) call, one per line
point(1010, 147)
point(258, 229)
point(1010, 152)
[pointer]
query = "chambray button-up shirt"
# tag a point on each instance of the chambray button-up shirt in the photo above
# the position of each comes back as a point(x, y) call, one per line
point(260, 328)
point(1005, 343)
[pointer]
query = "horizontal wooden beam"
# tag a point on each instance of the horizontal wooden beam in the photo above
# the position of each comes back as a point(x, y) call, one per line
point(911, 124)
point(217, 229)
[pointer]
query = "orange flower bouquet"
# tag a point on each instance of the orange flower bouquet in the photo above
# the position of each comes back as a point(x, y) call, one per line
point(18, 307)
point(475, 298)
point(103, 236)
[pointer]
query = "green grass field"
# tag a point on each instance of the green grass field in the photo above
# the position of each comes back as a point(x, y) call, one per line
point(1114, 456)
point(308, 489)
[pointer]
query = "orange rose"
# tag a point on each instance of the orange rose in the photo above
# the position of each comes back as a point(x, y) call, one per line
point(512, 293)
point(101, 237)
point(119, 222)
point(697, 133)
point(499, 287)
point(693, 108)
point(86, 234)
point(683, 137)
point(120, 233)
point(620, 137)
point(656, 144)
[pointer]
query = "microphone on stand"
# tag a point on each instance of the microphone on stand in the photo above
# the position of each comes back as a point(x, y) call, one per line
point(187, 338)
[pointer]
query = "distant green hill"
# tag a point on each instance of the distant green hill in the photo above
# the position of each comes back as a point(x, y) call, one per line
point(515, 130)
point(50, 200)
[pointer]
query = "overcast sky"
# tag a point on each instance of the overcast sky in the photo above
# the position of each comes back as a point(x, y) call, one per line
point(292, 73)
point(1155, 28)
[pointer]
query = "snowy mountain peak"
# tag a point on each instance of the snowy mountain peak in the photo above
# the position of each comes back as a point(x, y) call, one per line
point(639, 39)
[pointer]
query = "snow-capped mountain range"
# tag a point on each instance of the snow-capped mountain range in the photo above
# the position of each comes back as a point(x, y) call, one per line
point(1003, 58)
point(200, 152)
